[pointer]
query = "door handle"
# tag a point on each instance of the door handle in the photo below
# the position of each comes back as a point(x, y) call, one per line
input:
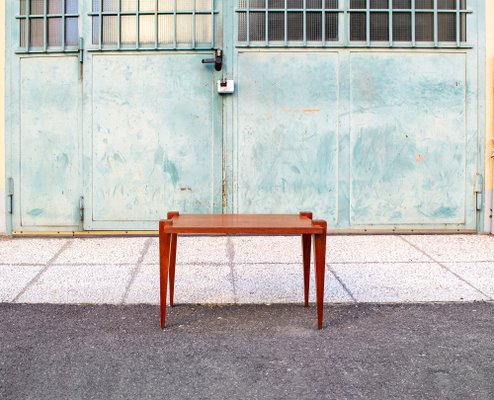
point(217, 60)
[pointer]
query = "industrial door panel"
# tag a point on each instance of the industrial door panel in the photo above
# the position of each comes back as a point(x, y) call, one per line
point(409, 160)
point(287, 144)
point(50, 168)
point(153, 139)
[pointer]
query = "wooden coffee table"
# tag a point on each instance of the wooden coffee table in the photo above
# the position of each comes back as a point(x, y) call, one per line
point(244, 224)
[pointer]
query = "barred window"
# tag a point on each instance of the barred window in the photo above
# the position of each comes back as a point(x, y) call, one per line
point(337, 23)
point(397, 21)
point(48, 25)
point(311, 22)
point(151, 24)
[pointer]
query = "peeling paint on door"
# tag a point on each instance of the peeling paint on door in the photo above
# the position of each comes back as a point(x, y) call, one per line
point(152, 136)
point(50, 176)
point(407, 108)
point(288, 162)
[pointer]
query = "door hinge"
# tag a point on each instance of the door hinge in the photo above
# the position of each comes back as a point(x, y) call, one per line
point(81, 208)
point(478, 189)
point(10, 195)
point(478, 198)
point(81, 50)
point(81, 58)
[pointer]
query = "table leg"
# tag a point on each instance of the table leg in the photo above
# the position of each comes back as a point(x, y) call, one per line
point(320, 267)
point(165, 244)
point(306, 245)
point(173, 258)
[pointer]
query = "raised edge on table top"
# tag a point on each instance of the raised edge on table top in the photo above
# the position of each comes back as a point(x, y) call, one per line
point(301, 223)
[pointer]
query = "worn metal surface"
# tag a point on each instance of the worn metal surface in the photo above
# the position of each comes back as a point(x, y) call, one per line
point(407, 140)
point(153, 143)
point(287, 146)
point(367, 139)
point(49, 183)
point(377, 140)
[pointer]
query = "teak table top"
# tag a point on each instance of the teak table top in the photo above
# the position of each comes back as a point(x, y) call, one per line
point(243, 224)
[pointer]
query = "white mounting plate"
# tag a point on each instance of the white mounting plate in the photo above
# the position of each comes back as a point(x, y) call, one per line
point(226, 86)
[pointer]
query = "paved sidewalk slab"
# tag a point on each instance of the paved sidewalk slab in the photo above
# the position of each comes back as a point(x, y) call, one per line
point(203, 283)
point(29, 251)
point(194, 250)
point(451, 248)
point(417, 282)
point(267, 249)
point(248, 269)
point(371, 248)
point(14, 278)
point(90, 283)
point(481, 273)
point(103, 251)
point(350, 249)
point(281, 283)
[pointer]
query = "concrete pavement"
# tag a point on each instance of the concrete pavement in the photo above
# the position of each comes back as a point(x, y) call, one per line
point(247, 269)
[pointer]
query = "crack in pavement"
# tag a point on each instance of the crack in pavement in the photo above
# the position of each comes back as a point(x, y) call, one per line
point(134, 272)
point(342, 284)
point(36, 278)
point(446, 268)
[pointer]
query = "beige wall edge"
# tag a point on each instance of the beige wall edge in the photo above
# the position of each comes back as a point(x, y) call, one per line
point(489, 107)
point(489, 14)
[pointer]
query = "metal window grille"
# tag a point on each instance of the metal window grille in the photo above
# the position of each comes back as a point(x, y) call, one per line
point(275, 23)
point(423, 23)
point(153, 24)
point(48, 26)
point(352, 23)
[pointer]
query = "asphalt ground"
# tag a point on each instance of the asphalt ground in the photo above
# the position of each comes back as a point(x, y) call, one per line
point(365, 351)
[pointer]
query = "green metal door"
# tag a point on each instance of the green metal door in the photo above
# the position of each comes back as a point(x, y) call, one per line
point(44, 142)
point(154, 139)
point(49, 171)
point(365, 113)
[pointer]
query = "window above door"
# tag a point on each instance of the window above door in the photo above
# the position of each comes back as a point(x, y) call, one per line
point(48, 25)
point(352, 23)
point(53, 25)
point(152, 24)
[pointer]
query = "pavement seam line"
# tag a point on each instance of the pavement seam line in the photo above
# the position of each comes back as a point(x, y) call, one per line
point(230, 252)
point(340, 281)
point(36, 277)
point(446, 268)
point(255, 263)
point(135, 271)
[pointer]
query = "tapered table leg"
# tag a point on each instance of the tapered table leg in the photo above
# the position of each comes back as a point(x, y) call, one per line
point(165, 244)
point(320, 269)
point(173, 258)
point(306, 242)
